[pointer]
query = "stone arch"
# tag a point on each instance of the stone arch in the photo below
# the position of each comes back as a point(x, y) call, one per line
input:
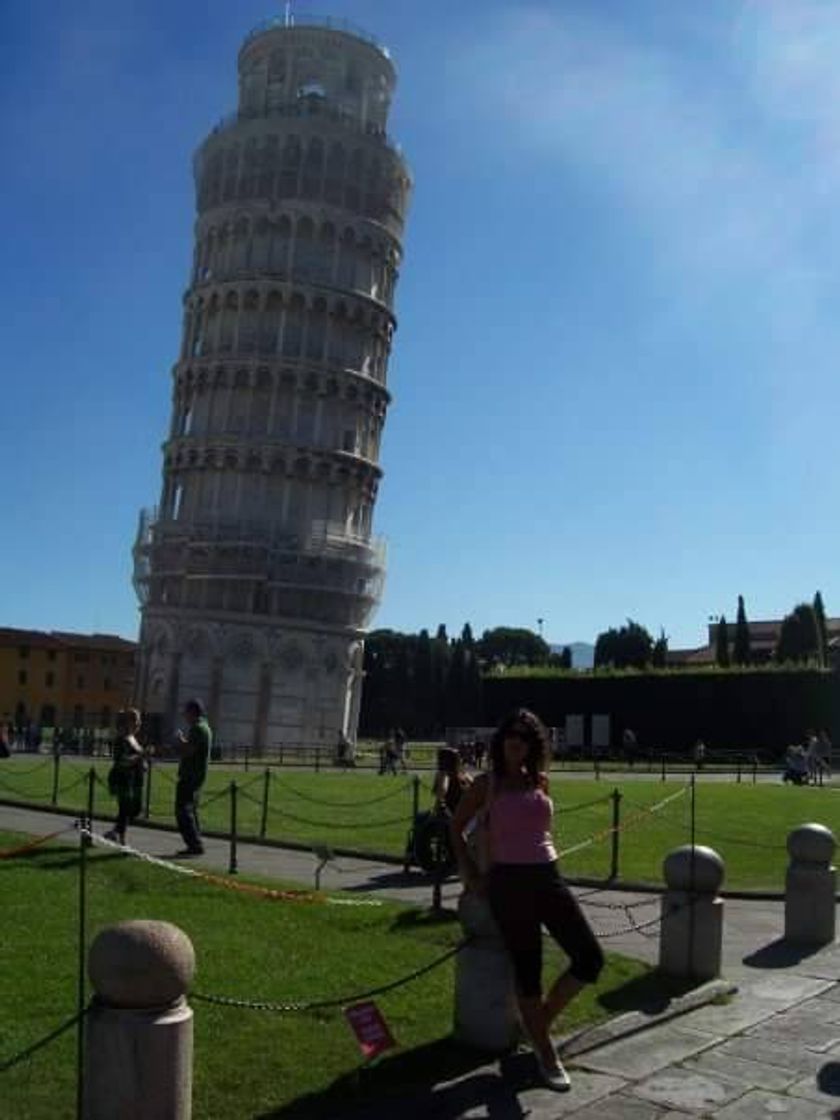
point(313, 169)
point(227, 323)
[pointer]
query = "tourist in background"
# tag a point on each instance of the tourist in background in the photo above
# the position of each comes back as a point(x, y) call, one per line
point(125, 778)
point(522, 883)
point(194, 752)
point(451, 782)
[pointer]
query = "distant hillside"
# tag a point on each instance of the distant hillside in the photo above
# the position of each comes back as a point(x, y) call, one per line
point(583, 654)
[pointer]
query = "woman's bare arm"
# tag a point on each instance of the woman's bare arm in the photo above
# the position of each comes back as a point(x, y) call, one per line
point(470, 804)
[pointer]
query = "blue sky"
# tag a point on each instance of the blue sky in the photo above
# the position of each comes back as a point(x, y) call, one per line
point(615, 376)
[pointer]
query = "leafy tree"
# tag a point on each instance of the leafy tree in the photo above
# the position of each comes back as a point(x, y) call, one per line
point(566, 657)
point(822, 628)
point(659, 656)
point(722, 643)
point(741, 653)
point(629, 646)
point(506, 645)
point(799, 638)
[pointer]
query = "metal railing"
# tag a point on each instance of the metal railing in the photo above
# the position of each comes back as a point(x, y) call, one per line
point(329, 23)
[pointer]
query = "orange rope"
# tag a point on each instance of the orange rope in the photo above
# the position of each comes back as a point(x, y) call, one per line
point(29, 845)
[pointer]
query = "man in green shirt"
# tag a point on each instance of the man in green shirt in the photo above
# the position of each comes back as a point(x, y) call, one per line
point(194, 752)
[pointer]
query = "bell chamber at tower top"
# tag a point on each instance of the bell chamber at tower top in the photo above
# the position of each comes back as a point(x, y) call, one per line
point(313, 108)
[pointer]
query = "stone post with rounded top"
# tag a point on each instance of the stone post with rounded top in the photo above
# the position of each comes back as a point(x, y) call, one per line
point(691, 933)
point(810, 885)
point(486, 1015)
point(139, 1032)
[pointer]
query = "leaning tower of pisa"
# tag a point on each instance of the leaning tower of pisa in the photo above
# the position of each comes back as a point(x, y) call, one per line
point(258, 572)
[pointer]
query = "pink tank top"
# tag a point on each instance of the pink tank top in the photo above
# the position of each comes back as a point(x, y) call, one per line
point(519, 827)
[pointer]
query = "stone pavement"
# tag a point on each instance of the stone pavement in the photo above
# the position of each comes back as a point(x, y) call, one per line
point(772, 1051)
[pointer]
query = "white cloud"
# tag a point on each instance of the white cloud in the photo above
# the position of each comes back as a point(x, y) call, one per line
point(727, 154)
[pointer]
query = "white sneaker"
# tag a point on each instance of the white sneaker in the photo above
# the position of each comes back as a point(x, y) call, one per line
point(554, 1077)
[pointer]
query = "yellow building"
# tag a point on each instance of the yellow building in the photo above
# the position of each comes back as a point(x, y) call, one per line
point(57, 679)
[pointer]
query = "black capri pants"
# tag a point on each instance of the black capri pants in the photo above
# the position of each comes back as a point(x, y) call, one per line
point(523, 897)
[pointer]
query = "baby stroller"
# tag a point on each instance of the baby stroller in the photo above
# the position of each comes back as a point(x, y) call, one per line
point(428, 844)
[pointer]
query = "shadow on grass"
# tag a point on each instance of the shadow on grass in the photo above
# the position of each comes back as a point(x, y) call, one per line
point(62, 859)
point(780, 954)
point(409, 1085)
point(409, 921)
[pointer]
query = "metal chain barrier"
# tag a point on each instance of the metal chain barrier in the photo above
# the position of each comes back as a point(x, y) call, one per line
point(9, 1063)
point(18, 773)
point(337, 824)
point(583, 804)
point(402, 789)
point(342, 1001)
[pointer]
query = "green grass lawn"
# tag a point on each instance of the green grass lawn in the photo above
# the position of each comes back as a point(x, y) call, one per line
point(746, 823)
point(248, 1063)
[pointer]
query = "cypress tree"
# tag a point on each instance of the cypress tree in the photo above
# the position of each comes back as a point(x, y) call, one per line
point(822, 628)
point(741, 646)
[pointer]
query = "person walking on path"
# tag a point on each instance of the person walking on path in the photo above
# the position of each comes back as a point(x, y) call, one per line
point(194, 751)
point(523, 885)
point(125, 778)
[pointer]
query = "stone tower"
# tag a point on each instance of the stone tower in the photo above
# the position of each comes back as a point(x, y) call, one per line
point(258, 574)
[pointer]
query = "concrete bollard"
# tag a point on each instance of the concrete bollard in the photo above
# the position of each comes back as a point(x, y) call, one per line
point(810, 886)
point(486, 1014)
point(691, 934)
point(139, 1033)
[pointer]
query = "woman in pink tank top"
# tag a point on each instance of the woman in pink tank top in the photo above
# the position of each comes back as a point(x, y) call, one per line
point(522, 883)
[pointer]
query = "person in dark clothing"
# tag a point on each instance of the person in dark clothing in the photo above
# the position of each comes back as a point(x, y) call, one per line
point(125, 778)
point(450, 781)
point(194, 751)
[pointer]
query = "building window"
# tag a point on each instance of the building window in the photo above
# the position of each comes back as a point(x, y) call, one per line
point(50, 680)
point(51, 655)
point(80, 682)
point(79, 657)
point(23, 651)
point(107, 686)
point(21, 676)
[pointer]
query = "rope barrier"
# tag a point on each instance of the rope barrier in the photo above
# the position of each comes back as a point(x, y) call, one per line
point(10, 853)
point(272, 893)
point(41, 1043)
point(628, 822)
point(403, 789)
point(343, 1001)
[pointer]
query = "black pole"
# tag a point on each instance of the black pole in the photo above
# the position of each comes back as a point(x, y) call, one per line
point(232, 865)
point(56, 767)
point(147, 812)
point(247, 757)
point(755, 770)
point(663, 768)
point(317, 760)
point(91, 793)
point(597, 769)
point(691, 875)
point(738, 777)
point(264, 818)
point(85, 824)
point(415, 797)
point(616, 821)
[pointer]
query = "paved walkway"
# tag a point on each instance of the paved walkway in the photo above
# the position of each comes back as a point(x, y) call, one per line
point(772, 1051)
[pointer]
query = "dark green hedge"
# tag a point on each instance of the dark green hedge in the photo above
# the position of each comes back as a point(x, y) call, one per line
point(756, 710)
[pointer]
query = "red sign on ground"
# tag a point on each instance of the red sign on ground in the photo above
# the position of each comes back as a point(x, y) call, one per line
point(370, 1029)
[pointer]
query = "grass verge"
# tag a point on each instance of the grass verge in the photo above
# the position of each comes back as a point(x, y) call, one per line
point(746, 823)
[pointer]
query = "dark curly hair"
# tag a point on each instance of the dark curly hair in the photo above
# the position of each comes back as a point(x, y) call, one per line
point(532, 730)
